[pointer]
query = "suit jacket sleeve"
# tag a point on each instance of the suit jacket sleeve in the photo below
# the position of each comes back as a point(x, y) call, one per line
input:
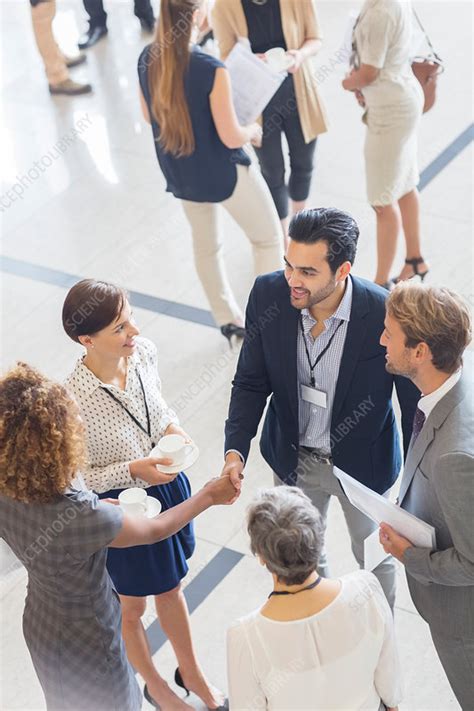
point(454, 485)
point(408, 396)
point(251, 386)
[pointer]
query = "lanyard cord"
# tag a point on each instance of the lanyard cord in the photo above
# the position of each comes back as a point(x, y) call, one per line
point(312, 367)
point(147, 431)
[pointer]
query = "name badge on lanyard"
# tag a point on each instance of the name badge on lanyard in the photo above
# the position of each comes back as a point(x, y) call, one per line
point(314, 396)
point(310, 393)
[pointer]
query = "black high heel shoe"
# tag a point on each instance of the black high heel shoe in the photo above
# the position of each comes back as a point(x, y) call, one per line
point(150, 700)
point(414, 263)
point(179, 682)
point(231, 329)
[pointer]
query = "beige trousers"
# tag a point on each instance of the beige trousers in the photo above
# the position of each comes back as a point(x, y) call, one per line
point(252, 207)
point(42, 16)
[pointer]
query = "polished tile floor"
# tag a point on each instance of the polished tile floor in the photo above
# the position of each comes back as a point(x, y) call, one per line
point(99, 209)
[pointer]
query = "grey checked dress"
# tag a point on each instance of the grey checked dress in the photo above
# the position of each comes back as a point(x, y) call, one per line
point(72, 617)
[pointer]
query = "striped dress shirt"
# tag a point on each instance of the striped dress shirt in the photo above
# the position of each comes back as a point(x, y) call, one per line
point(315, 421)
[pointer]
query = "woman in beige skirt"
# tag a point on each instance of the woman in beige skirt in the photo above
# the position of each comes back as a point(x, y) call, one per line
point(385, 84)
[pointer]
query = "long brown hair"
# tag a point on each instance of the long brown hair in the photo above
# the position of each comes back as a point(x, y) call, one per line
point(169, 58)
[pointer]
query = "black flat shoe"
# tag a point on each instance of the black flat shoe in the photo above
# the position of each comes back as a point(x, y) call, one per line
point(151, 701)
point(92, 36)
point(178, 679)
point(231, 329)
point(147, 23)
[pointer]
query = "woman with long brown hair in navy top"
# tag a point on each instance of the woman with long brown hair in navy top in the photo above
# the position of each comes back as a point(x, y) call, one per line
point(186, 96)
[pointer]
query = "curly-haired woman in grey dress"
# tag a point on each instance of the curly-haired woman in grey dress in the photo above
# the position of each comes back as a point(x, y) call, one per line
point(72, 618)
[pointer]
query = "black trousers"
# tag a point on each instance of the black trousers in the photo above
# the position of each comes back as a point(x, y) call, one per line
point(281, 116)
point(98, 16)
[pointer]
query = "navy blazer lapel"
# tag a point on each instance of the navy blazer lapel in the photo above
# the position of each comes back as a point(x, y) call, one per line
point(289, 343)
point(356, 332)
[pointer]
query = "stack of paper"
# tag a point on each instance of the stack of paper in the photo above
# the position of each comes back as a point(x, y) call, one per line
point(253, 82)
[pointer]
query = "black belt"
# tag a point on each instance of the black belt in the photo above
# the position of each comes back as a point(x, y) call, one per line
point(318, 455)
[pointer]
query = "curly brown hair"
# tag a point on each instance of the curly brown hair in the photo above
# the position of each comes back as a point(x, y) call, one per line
point(41, 436)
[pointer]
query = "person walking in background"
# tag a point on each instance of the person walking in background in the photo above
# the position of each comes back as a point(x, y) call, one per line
point(426, 333)
point(186, 96)
point(72, 615)
point(56, 64)
point(296, 109)
point(313, 345)
point(118, 390)
point(384, 82)
point(97, 29)
point(316, 643)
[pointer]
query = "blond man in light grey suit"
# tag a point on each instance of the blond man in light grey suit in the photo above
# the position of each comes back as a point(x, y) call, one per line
point(426, 332)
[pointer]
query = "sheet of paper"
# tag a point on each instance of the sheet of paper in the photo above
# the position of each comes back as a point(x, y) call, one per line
point(380, 509)
point(253, 82)
point(374, 553)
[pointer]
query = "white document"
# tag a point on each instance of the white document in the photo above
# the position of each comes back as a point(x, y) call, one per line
point(380, 509)
point(253, 82)
point(374, 553)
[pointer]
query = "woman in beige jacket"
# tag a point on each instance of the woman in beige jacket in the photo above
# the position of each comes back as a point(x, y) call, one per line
point(296, 109)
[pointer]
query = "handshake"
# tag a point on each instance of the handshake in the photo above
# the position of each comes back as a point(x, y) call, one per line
point(226, 488)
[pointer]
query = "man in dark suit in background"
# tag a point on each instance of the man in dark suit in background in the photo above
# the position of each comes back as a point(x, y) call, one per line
point(98, 20)
point(312, 343)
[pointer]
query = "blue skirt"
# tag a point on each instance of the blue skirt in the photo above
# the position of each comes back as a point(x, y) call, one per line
point(155, 569)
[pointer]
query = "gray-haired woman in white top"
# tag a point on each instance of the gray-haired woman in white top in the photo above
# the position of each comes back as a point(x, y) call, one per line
point(316, 643)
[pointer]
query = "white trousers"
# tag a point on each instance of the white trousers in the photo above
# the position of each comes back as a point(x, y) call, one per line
point(252, 207)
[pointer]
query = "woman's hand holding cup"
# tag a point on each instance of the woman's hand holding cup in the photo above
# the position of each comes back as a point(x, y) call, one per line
point(146, 469)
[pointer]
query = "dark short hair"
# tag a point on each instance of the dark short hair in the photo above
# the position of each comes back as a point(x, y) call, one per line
point(90, 306)
point(327, 224)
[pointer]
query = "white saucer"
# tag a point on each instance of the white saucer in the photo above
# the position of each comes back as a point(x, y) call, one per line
point(153, 507)
point(187, 462)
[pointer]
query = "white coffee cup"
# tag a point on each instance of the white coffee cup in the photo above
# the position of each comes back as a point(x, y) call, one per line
point(277, 59)
point(133, 501)
point(173, 447)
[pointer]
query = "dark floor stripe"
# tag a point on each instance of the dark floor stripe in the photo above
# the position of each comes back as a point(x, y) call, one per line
point(191, 313)
point(143, 301)
point(199, 588)
point(444, 158)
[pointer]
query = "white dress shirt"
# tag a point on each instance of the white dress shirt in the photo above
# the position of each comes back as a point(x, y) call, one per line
point(343, 657)
point(113, 438)
point(426, 403)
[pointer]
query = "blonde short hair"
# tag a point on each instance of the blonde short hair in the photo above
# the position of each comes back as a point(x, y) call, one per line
point(433, 315)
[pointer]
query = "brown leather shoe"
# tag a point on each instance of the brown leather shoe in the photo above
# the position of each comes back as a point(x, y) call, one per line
point(69, 88)
point(75, 61)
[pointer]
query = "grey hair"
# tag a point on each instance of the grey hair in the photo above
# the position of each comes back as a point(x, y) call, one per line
point(286, 532)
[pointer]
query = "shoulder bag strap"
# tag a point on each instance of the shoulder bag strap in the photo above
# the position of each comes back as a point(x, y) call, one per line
point(433, 52)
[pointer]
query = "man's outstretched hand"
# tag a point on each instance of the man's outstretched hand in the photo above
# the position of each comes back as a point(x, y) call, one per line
point(233, 468)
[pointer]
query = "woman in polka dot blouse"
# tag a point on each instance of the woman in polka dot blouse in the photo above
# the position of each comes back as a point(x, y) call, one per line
point(117, 386)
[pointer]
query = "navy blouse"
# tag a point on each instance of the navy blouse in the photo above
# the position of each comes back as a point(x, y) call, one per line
point(209, 174)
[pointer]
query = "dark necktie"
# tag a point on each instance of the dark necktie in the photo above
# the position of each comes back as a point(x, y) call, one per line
point(418, 422)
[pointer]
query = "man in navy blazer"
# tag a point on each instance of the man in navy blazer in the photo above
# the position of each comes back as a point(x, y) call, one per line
point(312, 344)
